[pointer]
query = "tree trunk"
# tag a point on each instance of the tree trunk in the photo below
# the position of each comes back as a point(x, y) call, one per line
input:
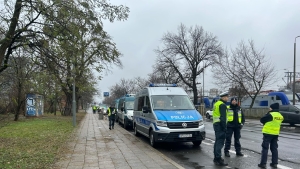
point(253, 99)
point(11, 31)
point(68, 106)
point(195, 93)
point(18, 101)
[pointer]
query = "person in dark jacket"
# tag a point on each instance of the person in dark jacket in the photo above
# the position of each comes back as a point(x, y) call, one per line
point(111, 116)
point(219, 124)
point(272, 122)
point(235, 122)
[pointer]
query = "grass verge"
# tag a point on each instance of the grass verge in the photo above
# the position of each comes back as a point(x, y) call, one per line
point(35, 142)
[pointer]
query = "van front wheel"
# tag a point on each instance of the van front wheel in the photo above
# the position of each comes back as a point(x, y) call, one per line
point(153, 143)
point(136, 133)
point(197, 143)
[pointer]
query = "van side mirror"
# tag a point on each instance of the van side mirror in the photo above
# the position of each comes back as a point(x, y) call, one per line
point(145, 109)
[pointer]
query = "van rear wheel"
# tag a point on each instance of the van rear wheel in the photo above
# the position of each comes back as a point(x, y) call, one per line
point(197, 143)
point(153, 143)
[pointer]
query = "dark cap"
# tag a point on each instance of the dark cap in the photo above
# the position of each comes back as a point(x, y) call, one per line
point(234, 98)
point(224, 94)
point(274, 106)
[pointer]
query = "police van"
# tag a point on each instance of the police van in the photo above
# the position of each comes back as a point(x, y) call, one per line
point(125, 110)
point(165, 113)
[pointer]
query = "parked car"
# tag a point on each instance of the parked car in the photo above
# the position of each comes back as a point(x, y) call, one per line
point(290, 113)
point(209, 114)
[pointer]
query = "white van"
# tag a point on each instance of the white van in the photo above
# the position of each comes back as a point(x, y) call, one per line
point(164, 113)
point(125, 110)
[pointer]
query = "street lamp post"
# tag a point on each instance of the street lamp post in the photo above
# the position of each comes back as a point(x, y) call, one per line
point(294, 74)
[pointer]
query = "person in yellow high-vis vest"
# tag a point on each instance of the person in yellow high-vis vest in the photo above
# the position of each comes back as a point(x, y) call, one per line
point(219, 124)
point(235, 122)
point(94, 108)
point(111, 113)
point(271, 129)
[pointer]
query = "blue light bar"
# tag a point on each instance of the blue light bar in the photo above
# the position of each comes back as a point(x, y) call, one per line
point(162, 85)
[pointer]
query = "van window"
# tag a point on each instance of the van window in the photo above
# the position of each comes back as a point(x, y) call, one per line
point(148, 103)
point(140, 103)
point(129, 105)
point(172, 102)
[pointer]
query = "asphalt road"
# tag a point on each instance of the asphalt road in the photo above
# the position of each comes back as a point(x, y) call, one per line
point(201, 157)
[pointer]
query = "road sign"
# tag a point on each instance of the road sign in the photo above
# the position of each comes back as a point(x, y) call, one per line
point(105, 94)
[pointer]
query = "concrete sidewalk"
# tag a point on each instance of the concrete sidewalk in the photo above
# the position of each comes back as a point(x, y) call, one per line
point(95, 146)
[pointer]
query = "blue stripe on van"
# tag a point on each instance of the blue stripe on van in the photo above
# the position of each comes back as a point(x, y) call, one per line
point(177, 115)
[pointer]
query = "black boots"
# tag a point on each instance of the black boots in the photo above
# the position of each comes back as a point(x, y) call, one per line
point(220, 162)
point(239, 154)
point(273, 165)
point(262, 165)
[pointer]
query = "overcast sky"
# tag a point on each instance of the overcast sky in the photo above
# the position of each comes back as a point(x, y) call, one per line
point(272, 24)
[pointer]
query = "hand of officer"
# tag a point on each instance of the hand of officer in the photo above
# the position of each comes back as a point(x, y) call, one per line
point(241, 126)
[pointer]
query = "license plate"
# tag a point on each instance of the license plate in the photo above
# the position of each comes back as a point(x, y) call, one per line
point(185, 135)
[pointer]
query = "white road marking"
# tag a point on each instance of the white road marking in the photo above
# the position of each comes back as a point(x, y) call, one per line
point(207, 143)
point(283, 167)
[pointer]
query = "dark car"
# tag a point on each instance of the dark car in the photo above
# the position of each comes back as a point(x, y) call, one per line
point(291, 113)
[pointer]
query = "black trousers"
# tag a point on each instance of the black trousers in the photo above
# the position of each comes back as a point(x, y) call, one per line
point(236, 131)
point(219, 141)
point(269, 141)
point(111, 121)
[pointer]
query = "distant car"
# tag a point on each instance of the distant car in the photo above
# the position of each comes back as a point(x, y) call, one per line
point(209, 114)
point(290, 113)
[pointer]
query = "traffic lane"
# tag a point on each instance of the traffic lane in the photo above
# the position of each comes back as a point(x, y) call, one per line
point(251, 139)
point(191, 157)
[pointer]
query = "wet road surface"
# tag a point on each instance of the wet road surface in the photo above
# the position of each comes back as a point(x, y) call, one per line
point(192, 157)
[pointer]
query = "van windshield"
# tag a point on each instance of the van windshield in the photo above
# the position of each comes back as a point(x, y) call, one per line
point(171, 102)
point(129, 105)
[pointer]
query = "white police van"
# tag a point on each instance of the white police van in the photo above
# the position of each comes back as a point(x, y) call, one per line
point(164, 113)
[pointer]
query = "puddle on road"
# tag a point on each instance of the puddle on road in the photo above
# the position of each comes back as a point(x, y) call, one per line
point(186, 160)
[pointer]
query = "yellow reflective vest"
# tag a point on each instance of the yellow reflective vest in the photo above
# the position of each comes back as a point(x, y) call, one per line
point(230, 115)
point(273, 127)
point(94, 107)
point(216, 111)
point(109, 112)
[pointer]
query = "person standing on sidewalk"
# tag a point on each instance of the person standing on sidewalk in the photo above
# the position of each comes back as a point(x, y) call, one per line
point(111, 116)
point(219, 124)
point(94, 108)
point(235, 122)
point(271, 129)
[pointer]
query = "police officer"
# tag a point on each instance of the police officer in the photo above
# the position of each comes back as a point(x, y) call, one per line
point(94, 108)
point(219, 124)
point(272, 122)
point(235, 122)
point(111, 116)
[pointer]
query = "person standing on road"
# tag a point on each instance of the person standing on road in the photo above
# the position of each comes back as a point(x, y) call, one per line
point(111, 116)
point(271, 129)
point(235, 122)
point(219, 124)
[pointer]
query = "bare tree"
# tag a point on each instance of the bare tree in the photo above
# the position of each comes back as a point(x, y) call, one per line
point(188, 53)
point(163, 73)
point(245, 67)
